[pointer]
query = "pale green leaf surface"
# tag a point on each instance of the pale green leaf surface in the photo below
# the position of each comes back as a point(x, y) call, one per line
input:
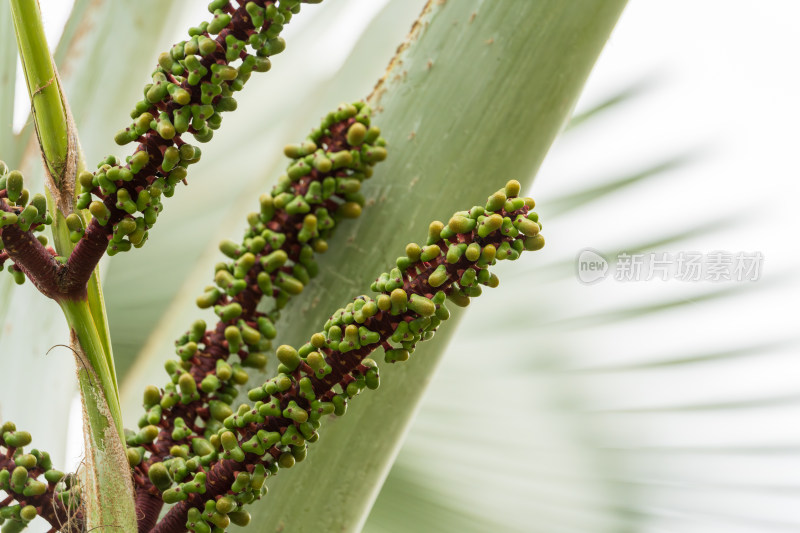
point(435, 107)
point(669, 405)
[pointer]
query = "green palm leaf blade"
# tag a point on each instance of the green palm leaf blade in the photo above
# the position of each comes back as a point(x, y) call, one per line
point(450, 146)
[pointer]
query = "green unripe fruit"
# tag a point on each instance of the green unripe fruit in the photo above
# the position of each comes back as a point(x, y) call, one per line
point(527, 227)
point(384, 302)
point(266, 327)
point(28, 513)
point(356, 134)
point(473, 251)
point(219, 410)
point(234, 338)
point(461, 224)
point(209, 384)
point(228, 440)
point(75, 223)
point(349, 210)
point(421, 305)
point(187, 351)
point(372, 379)
point(208, 299)
point(34, 488)
point(171, 158)
point(40, 203)
point(243, 265)
point(454, 253)
point(19, 476)
point(288, 356)
point(393, 356)
point(496, 201)
point(534, 243)
point(8, 219)
point(14, 185)
point(230, 312)
point(241, 483)
point(512, 188)
point(274, 260)
point(438, 276)
point(27, 218)
point(373, 154)
point(27, 460)
point(468, 278)
point(286, 460)
point(53, 476)
point(399, 299)
point(139, 160)
point(488, 254)
point(202, 447)
point(100, 212)
point(460, 300)
point(490, 224)
point(413, 251)
point(288, 283)
point(295, 412)
point(187, 384)
point(430, 253)
point(198, 330)
point(134, 457)
point(250, 336)
point(174, 495)
point(17, 439)
point(434, 232)
point(147, 434)
point(240, 518)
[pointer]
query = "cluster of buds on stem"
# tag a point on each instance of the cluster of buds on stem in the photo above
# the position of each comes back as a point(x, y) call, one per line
point(178, 441)
point(228, 454)
point(191, 87)
point(19, 214)
point(33, 487)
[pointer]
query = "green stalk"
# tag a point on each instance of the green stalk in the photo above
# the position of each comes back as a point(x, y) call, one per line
point(53, 123)
point(108, 484)
point(81, 323)
point(48, 109)
point(476, 98)
point(110, 493)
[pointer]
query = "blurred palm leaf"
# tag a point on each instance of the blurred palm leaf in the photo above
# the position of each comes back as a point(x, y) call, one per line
point(630, 411)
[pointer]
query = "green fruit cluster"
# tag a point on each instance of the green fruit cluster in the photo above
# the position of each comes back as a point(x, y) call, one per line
point(20, 210)
point(333, 367)
point(30, 480)
point(193, 84)
point(181, 434)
